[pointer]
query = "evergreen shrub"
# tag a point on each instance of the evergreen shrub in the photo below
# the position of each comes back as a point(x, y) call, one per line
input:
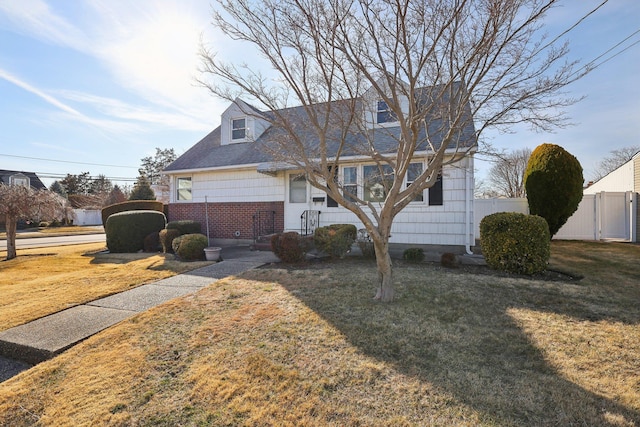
point(126, 230)
point(191, 246)
point(553, 180)
point(185, 226)
point(290, 247)
point(152, 242)
point(336, 239)
point(413, 255)
point(515, 242)
point(135, 205)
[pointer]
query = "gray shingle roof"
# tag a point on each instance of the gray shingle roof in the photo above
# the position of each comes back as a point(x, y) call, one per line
point(208, 153)
point(34, 180)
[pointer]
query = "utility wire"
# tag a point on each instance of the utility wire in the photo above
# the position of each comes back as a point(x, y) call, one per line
point(67, 161)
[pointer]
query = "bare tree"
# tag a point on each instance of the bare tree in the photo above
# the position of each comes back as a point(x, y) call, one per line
point(19, 202)
point(152, 167)
point(438, 66)
point(614, 160)
point(507, 174)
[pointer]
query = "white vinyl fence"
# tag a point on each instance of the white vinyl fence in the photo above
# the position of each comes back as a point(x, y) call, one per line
point(87, 217)
point(601, 216)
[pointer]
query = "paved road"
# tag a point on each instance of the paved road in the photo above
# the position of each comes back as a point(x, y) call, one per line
point(43, 242)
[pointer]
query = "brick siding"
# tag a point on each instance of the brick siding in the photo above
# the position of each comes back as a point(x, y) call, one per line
point(227, 218)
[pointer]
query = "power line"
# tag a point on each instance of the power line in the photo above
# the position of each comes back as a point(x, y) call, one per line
point(67, 161)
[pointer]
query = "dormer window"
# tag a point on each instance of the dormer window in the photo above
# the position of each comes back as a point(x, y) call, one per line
point(384, 114)
point(238, 129)
point(19, 180)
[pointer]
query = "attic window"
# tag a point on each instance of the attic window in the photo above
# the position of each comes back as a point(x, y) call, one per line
point(238, 129)
point(19, 180)
point(384, 114)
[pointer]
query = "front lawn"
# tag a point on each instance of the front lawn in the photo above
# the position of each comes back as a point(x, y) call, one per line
point(43, 281)
point(308, 346)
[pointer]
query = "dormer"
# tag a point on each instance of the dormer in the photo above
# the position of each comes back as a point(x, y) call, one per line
point(376, 109)
point(20, 179)
point(241, 122)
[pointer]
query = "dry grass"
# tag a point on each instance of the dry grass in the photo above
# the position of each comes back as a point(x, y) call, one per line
point(43, 281)
point(308, 346)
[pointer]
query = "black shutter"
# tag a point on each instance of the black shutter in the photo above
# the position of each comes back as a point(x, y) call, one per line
point(435, 193)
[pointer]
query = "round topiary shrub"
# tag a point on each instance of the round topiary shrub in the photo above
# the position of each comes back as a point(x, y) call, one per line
point(126, 230)
point(166, 239)
point(185, 226)
point(190, 247)
point(335, 240)
point(553, 180)
point(290, 247)
point(515, 242)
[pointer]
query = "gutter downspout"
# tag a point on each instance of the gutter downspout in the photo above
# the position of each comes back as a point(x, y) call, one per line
point(469, 195)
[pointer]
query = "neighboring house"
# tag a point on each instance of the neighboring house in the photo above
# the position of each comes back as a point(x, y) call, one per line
point(625, 178)
point(28, 179)
point(21, 178)
point(230, 180)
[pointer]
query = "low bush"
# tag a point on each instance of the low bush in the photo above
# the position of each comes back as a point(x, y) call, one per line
point(152, 242)
point(43, 224)
point(335, 240)
point(290, 247)
point(191, 246)
point(134, 205)
point(515, 242)
point(413, 255)
point(126, 231)
point(449, 260)
point(185, 226)
point(166, 237)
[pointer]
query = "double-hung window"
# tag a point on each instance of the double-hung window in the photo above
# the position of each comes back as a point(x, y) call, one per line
point(377, 181)
point(414, 171)
point(350, 182)
point(238, 129)
point(183, 185)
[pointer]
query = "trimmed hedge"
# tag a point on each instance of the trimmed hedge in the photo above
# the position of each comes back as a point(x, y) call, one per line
point(290, 247)
point(185, 226)
point(336, 239)
point(126, 231)
point(515, 242)
point(134, 205)
point(190, 247)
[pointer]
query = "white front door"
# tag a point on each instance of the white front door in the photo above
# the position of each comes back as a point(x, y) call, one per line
point(297, 201)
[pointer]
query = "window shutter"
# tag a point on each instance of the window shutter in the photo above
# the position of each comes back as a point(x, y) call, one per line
point(435, 193)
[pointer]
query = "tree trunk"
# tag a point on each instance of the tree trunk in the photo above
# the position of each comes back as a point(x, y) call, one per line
point(385, 271)
point(11, 225)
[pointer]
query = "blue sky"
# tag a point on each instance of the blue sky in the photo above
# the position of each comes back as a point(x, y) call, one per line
point(95, 85)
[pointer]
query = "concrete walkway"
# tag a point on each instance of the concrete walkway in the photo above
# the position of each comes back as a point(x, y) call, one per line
point(46, 337)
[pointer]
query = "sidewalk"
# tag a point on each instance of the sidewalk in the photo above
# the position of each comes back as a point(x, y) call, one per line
point(44, 338)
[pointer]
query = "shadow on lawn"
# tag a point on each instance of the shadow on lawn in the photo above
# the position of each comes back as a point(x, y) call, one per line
point(460, 337)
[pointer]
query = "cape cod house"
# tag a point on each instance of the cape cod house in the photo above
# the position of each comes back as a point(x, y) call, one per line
point(231, 182)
